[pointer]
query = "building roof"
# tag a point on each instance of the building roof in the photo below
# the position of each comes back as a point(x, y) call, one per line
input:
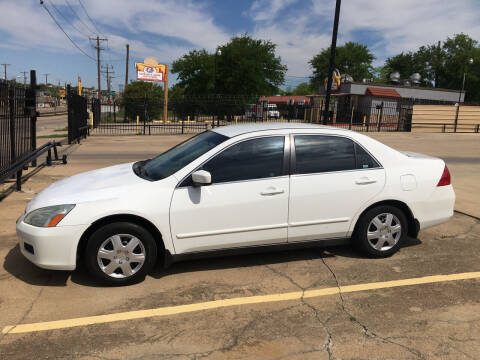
point(235, 130)
point(379, 92)
point(398, 86)
point(285, 98)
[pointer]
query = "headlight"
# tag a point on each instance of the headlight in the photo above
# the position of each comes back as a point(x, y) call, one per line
point(48, 216)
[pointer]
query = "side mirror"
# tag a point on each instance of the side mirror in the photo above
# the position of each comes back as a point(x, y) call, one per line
point(201, 178)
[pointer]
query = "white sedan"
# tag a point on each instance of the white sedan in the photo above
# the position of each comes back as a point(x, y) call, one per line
point(236, 188)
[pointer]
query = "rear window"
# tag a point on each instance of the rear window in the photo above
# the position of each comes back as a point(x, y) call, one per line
point(364, 159)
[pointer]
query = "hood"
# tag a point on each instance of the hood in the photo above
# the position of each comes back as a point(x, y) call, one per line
point(102, 184)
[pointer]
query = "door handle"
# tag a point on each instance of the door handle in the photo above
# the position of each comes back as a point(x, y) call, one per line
point(365, 181)
point(272, 191)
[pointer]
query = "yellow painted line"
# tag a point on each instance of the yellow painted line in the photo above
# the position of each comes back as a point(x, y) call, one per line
point(182, 309)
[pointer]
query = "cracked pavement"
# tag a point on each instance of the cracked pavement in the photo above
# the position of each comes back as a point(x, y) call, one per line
point(430, 321)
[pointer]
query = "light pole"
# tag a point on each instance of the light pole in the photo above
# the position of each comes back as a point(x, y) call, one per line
point(331, 66)
point(217, 53)
point(470, 61)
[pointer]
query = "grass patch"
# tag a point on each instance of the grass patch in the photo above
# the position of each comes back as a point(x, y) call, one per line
point(53, 136)
point(63, 129)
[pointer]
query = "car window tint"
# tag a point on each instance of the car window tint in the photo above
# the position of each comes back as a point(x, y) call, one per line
point(316, 153)
point(181, 155)
point(364, 159)
point(251, 159)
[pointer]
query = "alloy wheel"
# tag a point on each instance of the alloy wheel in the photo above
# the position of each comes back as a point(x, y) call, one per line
point(384, 232)
point(121, 255)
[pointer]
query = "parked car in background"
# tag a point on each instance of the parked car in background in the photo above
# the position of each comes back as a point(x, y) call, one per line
point(272, 111)
point(262, 111)
point(250, 187)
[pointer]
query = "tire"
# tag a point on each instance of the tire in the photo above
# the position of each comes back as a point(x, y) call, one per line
point(381, 231)
point(128, 253)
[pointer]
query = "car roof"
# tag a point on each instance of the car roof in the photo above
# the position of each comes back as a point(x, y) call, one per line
point(235, 130)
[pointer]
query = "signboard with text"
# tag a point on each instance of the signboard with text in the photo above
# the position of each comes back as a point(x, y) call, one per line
point(150, 72)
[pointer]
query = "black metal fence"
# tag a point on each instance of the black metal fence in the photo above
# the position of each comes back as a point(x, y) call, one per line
point(193, 114)
point(17, 123)
point(77, 117)
point(373, 115)
point(190, 114)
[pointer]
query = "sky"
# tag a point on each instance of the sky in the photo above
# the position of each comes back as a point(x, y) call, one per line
point(168, 29)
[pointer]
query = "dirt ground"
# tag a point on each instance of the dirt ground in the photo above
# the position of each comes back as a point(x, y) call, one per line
point(438, 320)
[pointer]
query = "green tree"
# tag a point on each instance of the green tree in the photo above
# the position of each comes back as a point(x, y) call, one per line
point(427, 61)
point(195, 72)
point(144, 99)
point(246, 66)
point(249, 66)
point(352, 58)
point(457, 53)
point(303, 88)
point(441, 65)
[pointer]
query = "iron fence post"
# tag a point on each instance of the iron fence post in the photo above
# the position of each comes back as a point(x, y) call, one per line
point(380, 115)
point(69, 114)
point(19, 180)
point(32, 102)
point(11, 105)
point(49, 157)
point(144, 115)
point(456, 117)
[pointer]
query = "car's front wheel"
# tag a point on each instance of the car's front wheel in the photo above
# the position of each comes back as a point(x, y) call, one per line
point(381, 231)
point(120, 253)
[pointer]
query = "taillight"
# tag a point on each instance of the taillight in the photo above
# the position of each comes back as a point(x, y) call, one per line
point(445, 179)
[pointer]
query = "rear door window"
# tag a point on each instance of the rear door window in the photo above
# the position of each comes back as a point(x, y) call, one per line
point(318, 153)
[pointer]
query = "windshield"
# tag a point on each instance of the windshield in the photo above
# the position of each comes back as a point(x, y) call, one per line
point(176, 158)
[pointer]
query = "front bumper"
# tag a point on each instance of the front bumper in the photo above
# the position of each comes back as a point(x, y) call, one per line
point(50, 248)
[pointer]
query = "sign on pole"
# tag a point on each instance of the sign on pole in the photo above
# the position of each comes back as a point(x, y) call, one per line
point(151, 70)
point(79, 85)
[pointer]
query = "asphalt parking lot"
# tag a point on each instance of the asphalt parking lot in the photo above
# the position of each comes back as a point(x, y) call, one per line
point(288, 305)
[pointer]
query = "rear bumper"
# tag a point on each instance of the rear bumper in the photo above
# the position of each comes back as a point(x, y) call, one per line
point(437, 209)
point(50, 248)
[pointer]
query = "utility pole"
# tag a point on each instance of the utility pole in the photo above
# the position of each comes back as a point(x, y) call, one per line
point(333, 48)
point(108, 71)
point(24, 77)
point(5, 70)
point(46, 79)
point(126, 66)
point(98, 48)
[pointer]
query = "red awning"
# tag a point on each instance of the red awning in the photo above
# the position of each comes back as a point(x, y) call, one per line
point(380, 92)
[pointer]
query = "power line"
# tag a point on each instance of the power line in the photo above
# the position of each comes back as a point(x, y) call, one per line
point(78, 17)
point(67, 20)
point(86, 13)
point(60, 27)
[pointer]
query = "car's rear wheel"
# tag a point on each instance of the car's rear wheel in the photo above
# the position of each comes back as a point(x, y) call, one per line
point(381, 231)
point(120, 253)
